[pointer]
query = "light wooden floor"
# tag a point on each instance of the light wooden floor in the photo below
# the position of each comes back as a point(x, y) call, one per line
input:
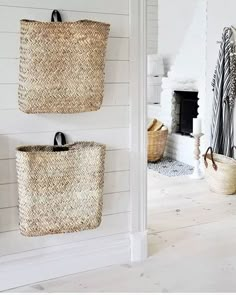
point(192, 246)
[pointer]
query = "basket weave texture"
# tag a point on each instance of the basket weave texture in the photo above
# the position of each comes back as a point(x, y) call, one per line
point(220, 173)
point(61, 191)
point(157, 137)
point(62, 66)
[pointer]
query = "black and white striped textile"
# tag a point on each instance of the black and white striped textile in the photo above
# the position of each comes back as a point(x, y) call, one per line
point(224, 82)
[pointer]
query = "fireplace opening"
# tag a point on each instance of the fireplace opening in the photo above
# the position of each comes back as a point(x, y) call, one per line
point(186, 109)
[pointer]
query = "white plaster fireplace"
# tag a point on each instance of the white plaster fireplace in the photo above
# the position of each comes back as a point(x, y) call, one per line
point(179, 147)
point(186, 74)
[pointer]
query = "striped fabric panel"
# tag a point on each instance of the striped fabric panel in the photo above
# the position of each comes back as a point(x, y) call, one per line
point(221, 128)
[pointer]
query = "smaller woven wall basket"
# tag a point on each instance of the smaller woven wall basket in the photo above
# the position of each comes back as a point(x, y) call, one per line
point(220, 173)
point(61, 65)
point(60, 187)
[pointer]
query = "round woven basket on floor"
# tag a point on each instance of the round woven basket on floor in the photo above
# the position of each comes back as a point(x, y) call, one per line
point(157, 137)
point(220, 173)
point(62, 66)
point(60, 188)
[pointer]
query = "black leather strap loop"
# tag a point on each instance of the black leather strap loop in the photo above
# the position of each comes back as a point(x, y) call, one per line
point(56, 14)
point(62, 138)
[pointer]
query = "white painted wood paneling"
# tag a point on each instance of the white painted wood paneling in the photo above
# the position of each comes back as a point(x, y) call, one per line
point(109, 125)
point(10, 47)
point(112, 117)
point(10, 19)
point(8, 195)
point(111, 225)
point(113, 139)
point(100, 6)
point(9, 219)
point(52, 262)
point(121, 200)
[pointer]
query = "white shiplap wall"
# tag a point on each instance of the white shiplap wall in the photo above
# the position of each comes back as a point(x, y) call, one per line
point(109, 125)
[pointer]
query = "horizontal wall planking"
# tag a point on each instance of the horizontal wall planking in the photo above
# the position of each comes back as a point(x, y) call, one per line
point(23, 268)
point(115, 71)
point(10, 19)
point(114, 182)
point(102, 6)
point(111, 225)
point(114, 94)
point(83, 246)
point(14, 121)
point(117, 160)
point(9, 219)
point(117, 48)
point(116, 203)
point(114, 139)
point(113, 204)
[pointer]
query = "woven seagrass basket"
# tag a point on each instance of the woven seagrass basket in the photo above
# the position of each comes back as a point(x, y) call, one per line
point(157, 137)
point(60, 188)
point(62, 66)
point(220, 173)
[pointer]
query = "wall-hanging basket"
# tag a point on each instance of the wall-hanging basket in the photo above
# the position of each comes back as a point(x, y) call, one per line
point(157, 137)
point(220, 173)
point(62, 65)
point(60, 187)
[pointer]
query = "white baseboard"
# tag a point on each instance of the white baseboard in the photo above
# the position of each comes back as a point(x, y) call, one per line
point(48, 263)
point(139, 249)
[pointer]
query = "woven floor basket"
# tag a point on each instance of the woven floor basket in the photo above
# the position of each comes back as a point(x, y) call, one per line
point(157, 137)
point(62, 66)
point(60, 191)
point(220, 173)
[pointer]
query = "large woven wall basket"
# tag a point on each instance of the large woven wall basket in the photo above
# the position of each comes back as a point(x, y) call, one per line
point(60, 187)
point(62, 65)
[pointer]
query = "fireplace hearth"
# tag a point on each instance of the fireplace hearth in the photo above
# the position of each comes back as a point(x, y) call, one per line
point(186, 108)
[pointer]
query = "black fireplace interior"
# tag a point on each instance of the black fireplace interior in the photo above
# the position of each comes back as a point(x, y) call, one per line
point(187, 109)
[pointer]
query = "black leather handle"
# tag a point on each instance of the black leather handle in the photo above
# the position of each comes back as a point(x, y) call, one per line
point(62, 138)
point(212, 159)
point(56, 14)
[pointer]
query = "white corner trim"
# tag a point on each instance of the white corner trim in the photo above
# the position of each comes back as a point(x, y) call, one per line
point(139, 249)
point(138, 110)
point(49, 263)
point(138, 113)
